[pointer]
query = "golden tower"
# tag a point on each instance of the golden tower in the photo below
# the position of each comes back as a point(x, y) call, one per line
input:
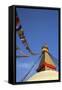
point(46, 62)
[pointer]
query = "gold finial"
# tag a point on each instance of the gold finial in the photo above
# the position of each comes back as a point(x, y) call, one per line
point(45, 48)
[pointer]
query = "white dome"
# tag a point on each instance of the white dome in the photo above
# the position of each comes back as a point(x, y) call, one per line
point(44, 75)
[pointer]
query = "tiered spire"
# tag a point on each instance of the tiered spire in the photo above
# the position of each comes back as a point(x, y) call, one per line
point(46, 62)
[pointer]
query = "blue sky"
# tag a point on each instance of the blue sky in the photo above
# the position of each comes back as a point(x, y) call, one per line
point(40, 27)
